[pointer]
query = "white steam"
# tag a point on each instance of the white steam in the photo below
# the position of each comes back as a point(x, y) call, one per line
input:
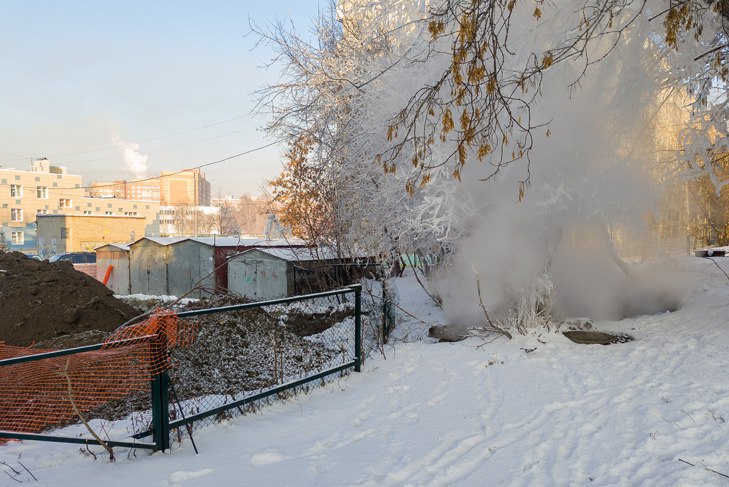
point(135, 161)
point(589, 177)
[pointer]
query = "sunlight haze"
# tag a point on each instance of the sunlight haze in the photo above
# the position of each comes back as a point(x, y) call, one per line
point(83, 82)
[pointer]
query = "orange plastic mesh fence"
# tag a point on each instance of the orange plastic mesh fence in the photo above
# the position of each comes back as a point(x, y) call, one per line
point(39, 394)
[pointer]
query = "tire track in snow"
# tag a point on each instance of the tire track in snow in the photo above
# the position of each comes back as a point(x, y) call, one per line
point(654, 431)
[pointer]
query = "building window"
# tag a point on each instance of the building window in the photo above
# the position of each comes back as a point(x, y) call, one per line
point(41, 211)
point(108, 213)
point(17, 238)
point(130, 213)
point(16, 191)
point(42, 192)
point(65, 203)
point(64, 232)
point(16, 214)
point(88, 212)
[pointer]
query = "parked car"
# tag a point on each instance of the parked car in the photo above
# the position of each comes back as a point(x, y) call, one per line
point(33, 256)
point(76, 257)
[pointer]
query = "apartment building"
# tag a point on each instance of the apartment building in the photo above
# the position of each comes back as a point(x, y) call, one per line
point(140, 190)
point(184, 188)
point(50, 190)
point(186, 220)
point(45, 189)
point(58, 234)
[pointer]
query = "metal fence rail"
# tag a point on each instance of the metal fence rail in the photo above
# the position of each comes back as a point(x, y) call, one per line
point(48, 359)
point(256, 351)
point(242, 354)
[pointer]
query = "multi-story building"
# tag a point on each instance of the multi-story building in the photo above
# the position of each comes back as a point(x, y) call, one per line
point(186, 220)
point(143, 190)
point(187, 187)
point(115, 189)
point(45, 189)
point(58, 234)
point(140, 190)
point(184, 196)
point(50, 190)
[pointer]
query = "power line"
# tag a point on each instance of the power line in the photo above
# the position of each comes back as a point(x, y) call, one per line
point(202, 127)
point(14, 155)
point(165, 148)
point(207, 164)
point(58, 190)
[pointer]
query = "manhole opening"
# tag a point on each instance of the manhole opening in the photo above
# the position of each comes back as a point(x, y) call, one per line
point(597, 337)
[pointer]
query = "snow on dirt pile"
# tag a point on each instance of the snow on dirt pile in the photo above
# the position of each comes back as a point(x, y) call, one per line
point(242, 351)
point(235, 353)
point(40, 301)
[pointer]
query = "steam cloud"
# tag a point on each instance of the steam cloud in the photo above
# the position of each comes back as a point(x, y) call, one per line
point(590, 175)
point(135, 161)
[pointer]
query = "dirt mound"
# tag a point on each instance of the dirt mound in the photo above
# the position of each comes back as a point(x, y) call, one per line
point(234, 353)
point(243, 351)
point(41, 301)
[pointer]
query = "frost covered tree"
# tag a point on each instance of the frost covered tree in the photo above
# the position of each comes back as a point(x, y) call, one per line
point(433, 119)
point(327, 106)
point(480, 102)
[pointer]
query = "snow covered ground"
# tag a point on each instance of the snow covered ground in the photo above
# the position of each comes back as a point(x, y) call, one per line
point(470, 413)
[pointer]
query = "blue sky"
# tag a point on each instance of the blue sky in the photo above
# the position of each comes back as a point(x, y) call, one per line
point(81, 80)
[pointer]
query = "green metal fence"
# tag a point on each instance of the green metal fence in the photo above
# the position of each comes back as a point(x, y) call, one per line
point(46, 356)
point(298, 340)
point(243, 354)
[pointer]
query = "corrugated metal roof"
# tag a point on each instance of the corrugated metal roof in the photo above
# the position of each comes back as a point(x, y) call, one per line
point(299, 254)
point(120, 246)
point(161, 240)
point(246, 241)
point(226, 241)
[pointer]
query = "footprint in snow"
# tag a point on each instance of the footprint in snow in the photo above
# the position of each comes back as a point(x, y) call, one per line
point(176, 478)
point(267, 457)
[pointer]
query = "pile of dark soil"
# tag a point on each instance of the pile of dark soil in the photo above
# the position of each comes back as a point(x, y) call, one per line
point(242, 351)
point(42, 301)
point(304, 325)
point(233, 353)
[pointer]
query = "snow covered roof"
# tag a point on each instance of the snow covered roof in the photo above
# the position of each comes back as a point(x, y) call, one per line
point(301, 254)
point(119, 246)
point(247, 241)
point(227, 241)
point(161, 240)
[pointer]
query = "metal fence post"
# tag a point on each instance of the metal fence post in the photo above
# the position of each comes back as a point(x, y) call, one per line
point(160, 395)
point(357, 327)
point(161, 411)
point(385, 312)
